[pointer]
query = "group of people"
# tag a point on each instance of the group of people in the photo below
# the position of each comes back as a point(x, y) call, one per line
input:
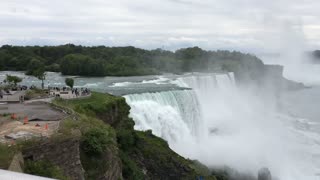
point(74, 91)
point(82, 91)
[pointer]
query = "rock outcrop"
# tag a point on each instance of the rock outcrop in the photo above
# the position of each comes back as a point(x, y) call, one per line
point(63, 153)
point(114, 170)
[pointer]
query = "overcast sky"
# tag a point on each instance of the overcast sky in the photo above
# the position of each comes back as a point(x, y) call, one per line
point(246, 25)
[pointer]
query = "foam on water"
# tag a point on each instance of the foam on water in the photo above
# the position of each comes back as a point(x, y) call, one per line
point(121, 84)
point(159, 80)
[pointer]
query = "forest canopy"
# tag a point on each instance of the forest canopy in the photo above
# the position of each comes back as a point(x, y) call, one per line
point(71, 59)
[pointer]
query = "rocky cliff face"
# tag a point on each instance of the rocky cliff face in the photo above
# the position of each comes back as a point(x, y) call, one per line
point(114, 170)
point(63, 153)
point(115, 112)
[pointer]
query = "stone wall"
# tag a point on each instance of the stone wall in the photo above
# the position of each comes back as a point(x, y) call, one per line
point(62, 153)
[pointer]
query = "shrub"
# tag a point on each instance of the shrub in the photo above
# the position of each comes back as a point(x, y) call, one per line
point(13, 79)
point(130, 169)
point(69, 82)
point(95, 141)
point(126, 139)
point(44, 168)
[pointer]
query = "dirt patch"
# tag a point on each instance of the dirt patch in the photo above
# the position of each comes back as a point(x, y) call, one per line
point(29, 120)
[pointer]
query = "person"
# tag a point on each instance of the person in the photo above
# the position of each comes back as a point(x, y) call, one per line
point(1, 94)
point(76, 92)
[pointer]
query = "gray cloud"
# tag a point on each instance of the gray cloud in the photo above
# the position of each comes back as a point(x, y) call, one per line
point(247, 25)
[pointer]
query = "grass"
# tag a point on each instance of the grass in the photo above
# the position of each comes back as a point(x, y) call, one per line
point(97, 102)
point(98, 105)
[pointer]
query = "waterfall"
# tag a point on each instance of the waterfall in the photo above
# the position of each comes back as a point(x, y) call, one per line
point(219, 123)
point(172, 115)
point(176, 115)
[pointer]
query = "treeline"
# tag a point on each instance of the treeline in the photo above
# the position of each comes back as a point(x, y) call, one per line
point(119, 61)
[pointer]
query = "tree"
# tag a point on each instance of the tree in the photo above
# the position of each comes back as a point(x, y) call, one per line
point(40, 74)
point(37, 69)
point(13, 79)
point(34, 65)
point(69, 82)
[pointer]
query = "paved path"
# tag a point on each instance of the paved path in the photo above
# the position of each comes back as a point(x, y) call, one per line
point(15, 97)
point(35, 110)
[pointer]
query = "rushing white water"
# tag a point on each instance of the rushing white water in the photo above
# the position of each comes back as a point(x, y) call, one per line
point(220, 124)
point(172, 115)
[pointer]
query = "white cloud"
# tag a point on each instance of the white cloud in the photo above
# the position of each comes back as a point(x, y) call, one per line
point(211, 24)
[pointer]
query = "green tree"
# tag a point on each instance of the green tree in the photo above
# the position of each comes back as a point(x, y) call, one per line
point(13, 79)
point(36, 68)
point(34, 65)
point(53, 68)
point(41, 75)
point(69, 82)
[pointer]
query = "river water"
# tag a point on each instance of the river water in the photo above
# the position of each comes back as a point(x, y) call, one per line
point(207, 117)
